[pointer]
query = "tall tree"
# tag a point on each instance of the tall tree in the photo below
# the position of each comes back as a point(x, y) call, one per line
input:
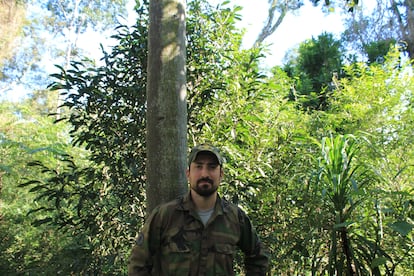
point(389, 21)
point(318, 61)
point(12, 14)
point(72, 18)
point(11, 18)
point(268, 168)
point(52, 35)
point(277, 10)
point(166, 102)
point(106, 200)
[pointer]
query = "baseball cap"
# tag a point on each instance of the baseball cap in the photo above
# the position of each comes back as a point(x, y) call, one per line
point(204, 148)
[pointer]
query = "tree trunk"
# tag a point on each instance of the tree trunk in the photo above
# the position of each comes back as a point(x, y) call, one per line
point(269, 28)
point(409, 5)
point(166, 103)
point(346, 247)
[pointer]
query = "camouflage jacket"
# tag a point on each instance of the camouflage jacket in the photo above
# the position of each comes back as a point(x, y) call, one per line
point(174, 241)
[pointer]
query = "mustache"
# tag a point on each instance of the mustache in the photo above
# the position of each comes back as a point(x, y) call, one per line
point(205, 179)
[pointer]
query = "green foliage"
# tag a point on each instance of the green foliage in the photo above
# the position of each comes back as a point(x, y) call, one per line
point(255, 125)
point(212, 40)
point(341, 180)
point(12, 15)
point(369, 101)
point(69, 14)
point(25, 135)
point(349, 5)
point(51, 32)
point(343, 203)
point(378, 50)
point(318, 62)
point(372, 28)
point(103, 197)
point(93, 197)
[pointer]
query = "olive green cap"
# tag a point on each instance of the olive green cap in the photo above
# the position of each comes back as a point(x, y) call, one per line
point(204, 148)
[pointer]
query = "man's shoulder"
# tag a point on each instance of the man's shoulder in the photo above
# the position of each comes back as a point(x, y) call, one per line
point(165, 206)
point(233, 209)
point(228, 204)
point(171, 205)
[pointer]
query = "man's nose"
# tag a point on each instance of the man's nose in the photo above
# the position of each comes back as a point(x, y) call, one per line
point(204, 171)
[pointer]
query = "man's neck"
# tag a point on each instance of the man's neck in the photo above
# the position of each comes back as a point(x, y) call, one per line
point(203, 203)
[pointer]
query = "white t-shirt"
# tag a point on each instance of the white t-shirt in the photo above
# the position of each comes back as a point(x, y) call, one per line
point(205, 215)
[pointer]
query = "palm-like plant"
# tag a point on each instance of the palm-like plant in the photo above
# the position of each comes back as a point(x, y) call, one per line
point(341, 181)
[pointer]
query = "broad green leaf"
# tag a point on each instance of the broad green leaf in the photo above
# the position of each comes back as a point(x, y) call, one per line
point(402, 227)
point(378, 261)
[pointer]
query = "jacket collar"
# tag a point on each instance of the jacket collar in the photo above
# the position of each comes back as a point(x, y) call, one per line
point(187, 204)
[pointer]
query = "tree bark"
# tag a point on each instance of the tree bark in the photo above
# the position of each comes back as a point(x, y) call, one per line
point(409, 5)
point(346, 247)
point(166, 103)
point(269, 28)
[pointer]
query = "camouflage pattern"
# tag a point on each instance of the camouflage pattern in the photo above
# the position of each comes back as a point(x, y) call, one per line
point(205, 147)
point(174, 241)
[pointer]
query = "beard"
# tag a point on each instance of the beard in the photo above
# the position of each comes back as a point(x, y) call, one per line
point(204, 189)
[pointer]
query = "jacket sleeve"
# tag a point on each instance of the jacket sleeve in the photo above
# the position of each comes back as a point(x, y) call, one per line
point(256, 257)
point(143, 256)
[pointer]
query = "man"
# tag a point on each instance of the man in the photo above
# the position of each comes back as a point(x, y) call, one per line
point(199, 233)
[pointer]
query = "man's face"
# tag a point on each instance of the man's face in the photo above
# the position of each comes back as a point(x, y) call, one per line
point(205, 174)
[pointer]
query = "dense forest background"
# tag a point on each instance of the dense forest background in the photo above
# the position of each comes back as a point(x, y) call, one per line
point(318, 151)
